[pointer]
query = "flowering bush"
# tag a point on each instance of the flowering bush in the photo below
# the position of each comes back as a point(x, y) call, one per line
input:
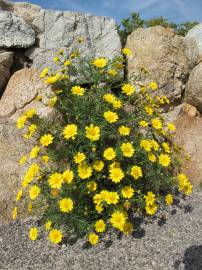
point(105, 154)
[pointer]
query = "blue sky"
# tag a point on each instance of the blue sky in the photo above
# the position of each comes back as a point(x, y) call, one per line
point(174, 10)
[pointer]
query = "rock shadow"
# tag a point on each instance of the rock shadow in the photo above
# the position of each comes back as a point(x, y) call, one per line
point(192, 259)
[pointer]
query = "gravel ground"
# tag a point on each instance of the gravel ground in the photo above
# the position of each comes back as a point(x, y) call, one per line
point(174, 243)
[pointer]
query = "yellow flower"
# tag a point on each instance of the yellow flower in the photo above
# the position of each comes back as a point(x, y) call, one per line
point(112, 72)
point(44, 72)
point(166, 147)
point(77, 90)
point(52, 101)
point(53, 79)
point(127, 192)
point(30, 174)
point(100, 226)
point(127, 149)
point(66, 205)
point(151, 209)
point(67, 63)
point(146, 144)
point(136, 172)
point(116, 175)
point(150, 198)
point(93, 132)
point(93, 238)
point(114, 165)
point(30, 113)
point(21, 121)
point(117, 104)
point(68, 176)
point(34, 192)
point(152, 157)
point(55, 236)
point(127, 51)
point(169, 199)
point(143, 123)
point(118, 220)
point(111, 117)
point(79, 157)
point(97, 199)
point(45, 159)
point(19, 195)
point(70, 131)
point(55, 180)
point(100, 62)
point(33, 233)
point(34, 152)
point(84, 171)
point(127, 228)
point(92, 186)
point(171, 127)
point(23, 160)
point(164, 160)
point(99, 208)
point(46, 139)
point(74, 54)
point(48, 225)
point(149, 110)
point(31, 130)
point(187, 188)
point(98, 165)
point(182, 177)
point(109, 98)
point(128, 89)
point(156, 123)
point(111, 197)
point(14, 213)
point(155, 145)
point(153, 85)
point(109, 153)
point(124, 131)
point(56, 59)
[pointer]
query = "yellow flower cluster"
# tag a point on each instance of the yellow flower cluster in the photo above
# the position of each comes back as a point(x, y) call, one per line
point(97, 158)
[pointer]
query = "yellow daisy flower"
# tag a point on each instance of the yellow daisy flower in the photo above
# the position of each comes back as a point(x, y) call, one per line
point(127, 149)
point(66, 205)
point(128, 89)
point(111, 117)
point(93, 132)
point(70, 132)
point(109, 153)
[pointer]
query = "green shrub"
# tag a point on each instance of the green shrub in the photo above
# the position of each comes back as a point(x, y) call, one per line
point(128, 25)
point(105, 154)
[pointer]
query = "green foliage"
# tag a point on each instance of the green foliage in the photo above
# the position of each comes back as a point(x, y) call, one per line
point(128, 25)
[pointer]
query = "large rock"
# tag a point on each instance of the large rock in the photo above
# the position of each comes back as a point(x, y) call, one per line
point(189, 135)
point(196, 34)
point(12, 147)
point(62, 30)
point(6, 61)
point(193, 93)
point(24, 10)
point(167, 58)
point(57, 29)
point(19, 96)
point(22, 89)
point(14, 32)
